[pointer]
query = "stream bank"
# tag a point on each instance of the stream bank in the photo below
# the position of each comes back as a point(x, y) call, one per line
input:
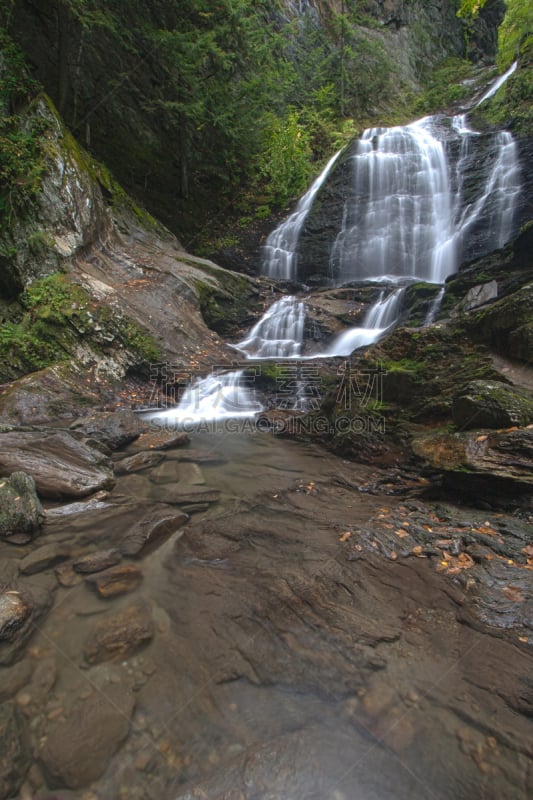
point(246, 616)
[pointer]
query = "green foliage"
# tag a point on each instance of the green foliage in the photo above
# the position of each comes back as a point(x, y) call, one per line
point(21, 141)
point(445, 85)
point(515, 35)
point(285, 164)
point(470, 8)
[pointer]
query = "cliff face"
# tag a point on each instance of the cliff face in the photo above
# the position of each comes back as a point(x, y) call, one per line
point(94, 289)
point(108, 88)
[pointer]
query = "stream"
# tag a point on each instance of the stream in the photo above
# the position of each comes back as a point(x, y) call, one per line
point(247, 617)
point(289, 653)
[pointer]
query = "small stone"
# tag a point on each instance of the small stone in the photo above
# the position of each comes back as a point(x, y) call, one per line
point(23, 699)
point(116, 580)
point(120, 634)
point(96, 562)
point(157, 524)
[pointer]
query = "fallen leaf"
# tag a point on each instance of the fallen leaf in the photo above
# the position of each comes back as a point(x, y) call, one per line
point(401, 533)
point(345, 536)
point(513, 593)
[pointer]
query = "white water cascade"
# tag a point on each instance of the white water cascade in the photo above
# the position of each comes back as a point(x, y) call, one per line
point(279, 332)
point(380, 317)
point(220, 396)
point(398, 218)
point(497, 83)
point(279, 252)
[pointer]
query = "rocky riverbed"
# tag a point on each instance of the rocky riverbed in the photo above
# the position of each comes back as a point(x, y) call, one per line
point(238, 615)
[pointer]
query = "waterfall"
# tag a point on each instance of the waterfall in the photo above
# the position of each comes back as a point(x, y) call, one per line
point(379, 318)
point(434, 308)
point(398, 217)
point(218, 396)
point(279, 252)
point(497, 83)
point(279, 332)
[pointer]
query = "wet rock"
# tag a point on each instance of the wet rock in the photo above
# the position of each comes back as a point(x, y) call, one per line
point(44, 557)
point(116, 580)
point(157, 524)
point(78, 750)
point(20, 611)
point(114, 429)
point(501, 461)
point(21, 513)
point(14, 612)
point(60, 465)
point(120, 634)
point(162, 440)
point(491, 404)
point(95, 562)
point(14, 753)
point(138, 462)
point(480, 295)
point(96, 502)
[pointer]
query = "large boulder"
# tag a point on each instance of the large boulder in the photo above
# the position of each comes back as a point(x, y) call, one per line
point(491, 404)
point(21, 513)
point(112, 429)
point(482, 464)
point(60, 465)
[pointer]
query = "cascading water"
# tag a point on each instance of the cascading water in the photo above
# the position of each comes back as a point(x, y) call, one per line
point(405, 219)
point(398, 217)
point(497, 83)
point(223, 395)
point(279, 332)
point(380, 317)
point(279, 252)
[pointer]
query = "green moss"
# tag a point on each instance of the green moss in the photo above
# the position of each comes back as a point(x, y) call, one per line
point(50, 317)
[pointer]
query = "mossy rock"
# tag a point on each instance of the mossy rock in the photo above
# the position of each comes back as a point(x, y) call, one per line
point(491, 404)
point(21, 513)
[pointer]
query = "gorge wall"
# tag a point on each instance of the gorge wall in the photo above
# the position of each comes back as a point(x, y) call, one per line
point(104, 70)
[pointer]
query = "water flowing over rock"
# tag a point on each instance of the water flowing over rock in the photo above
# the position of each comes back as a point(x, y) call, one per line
point(279, 253)
point(279, 332)
point(399, 203)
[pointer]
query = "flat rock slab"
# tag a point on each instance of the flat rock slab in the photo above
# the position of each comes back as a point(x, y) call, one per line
point(120, 634)
point(78, 750)
point(61, 465)
point(96, 562)
point(151, 530)
point(162, 440)
point(136, 463)
point(479, 461)
point(116, 581)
